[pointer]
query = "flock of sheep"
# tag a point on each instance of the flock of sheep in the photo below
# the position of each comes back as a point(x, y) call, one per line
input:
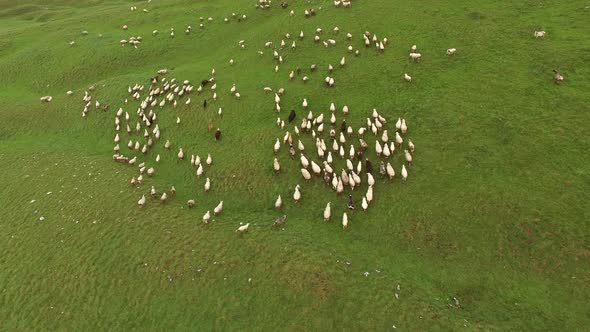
point(333, 139)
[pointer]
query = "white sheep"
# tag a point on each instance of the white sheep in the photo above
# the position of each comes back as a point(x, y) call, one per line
point(404, 173)
point(327, 212)
point(344, 221)
point(415, 56)
point(207, 185)
point(141, 201)
point(390, 171)
point(206, 217)
point(218, 208)
point(408, 157)
point(365, 204)
point(407, 77)
point(243, 228)
point(451, 51)
point(297, 194)
point(306, 174)
point(279, 203)
point(540, 34)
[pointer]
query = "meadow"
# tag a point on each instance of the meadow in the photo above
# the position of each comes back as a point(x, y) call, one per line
point(494, 213)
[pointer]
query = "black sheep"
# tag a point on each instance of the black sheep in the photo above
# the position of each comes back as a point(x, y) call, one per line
point(350, 203)
point(369, 166)
point(292, 116)
point(205, 103)
point(343, 126)
point(218, 134)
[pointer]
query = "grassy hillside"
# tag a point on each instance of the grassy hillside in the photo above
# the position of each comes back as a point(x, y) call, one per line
point(495, 210)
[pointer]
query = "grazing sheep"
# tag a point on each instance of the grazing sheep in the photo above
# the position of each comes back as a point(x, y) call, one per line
point(279, 203)
point(411, 146)
point(207, 185)
point(557, 76)
point(206, 217)
point(180, 154)
point(243, 228)
point(297, 194)
point(141, 201)
point(404, 173)
point(306, 174)
point(190, 203)
point(350, 203)
point(218, 134)
point(451, 51)
point(408, 157)
point(46, 99)
point(344, 221)
point(390, 171)
point(292, 116)
point(218, 209)
point(407, 77)
point(369, 195)
point(280, 220)
point(327, 212)
point(415, 56)
point(163, 198)
point(540, 34)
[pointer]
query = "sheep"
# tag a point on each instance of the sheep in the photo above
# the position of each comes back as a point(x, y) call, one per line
point(557, 77)
point(404, 173)
point(243, 228)
point(190, 203)
point(411, 146)
point(386, 150)
point(403, 126)
point(407, 77)
point(415, 56)
point(218, 134)
point(370, 179)
point(304, 161)
point(150, 172)
point(279, 203)
point(327, 212)
point(206, 217)
point(315, 168)
point(306, 174)
point(297, 194)
point(350, 203)
point(540, 34)
point(207, 185)
point(180, 154)
point(344, 221)
point(200, 170)
point(163, 198)
point(209, 160)
point(408, 157)
point(141, 201)
point(398, 139)
point(365, 204)
point(390, 171)
point(218, 209)
point(451, 51)
point(304, 103)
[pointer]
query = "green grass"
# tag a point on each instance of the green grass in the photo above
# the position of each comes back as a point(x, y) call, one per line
point(495, 211)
